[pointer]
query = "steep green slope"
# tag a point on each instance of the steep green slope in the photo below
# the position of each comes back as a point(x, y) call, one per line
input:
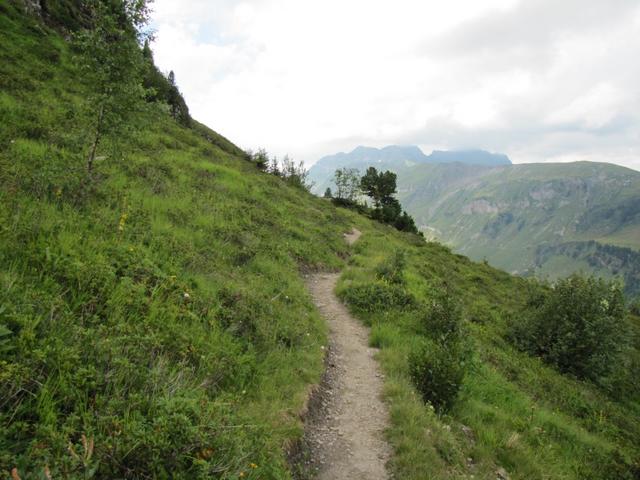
point(156, 311)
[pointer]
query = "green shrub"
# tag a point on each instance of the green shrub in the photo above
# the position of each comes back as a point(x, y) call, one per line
point(377, 297)
point(442, 317)
point(579, 327)
point(437, 371)
point(392, 269)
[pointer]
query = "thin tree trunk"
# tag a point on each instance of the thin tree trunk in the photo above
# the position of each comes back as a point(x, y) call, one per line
point(96, 141)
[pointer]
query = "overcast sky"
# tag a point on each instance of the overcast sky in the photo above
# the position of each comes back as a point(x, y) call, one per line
point(539, 80)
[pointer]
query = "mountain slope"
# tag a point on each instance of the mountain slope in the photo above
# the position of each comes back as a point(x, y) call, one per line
point(156, 311)
point(506, 215)
point(154, 321)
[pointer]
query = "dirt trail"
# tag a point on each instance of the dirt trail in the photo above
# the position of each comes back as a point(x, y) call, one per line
point(345, 431)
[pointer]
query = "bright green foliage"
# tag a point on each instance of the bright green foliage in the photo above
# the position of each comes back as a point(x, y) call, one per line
point(110, 59)
point(378, 297)
point(160, 328)
point(579, 327)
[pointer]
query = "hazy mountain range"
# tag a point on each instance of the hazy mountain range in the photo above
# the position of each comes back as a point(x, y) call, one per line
point(543, 219)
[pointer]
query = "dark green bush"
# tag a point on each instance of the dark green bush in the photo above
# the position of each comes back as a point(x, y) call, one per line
point(579, 327)
point(437, 371)
point(377, 297)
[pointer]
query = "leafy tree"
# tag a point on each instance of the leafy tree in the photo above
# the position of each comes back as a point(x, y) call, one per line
point(579, 327)
point(111, 60)
point(327, 193)
point(347, 181)
point(380, 186)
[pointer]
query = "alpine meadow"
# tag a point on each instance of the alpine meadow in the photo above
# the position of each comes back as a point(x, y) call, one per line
point(158, 317)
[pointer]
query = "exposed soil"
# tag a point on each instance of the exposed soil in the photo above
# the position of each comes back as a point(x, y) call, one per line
point(346, 418)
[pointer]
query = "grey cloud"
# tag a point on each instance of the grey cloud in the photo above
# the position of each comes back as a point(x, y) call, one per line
point(530, 26)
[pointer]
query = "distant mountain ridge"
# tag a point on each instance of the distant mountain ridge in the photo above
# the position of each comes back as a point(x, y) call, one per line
point(395, 157)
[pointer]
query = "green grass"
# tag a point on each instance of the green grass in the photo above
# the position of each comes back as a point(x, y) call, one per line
point(160, 311)
point(513, 412)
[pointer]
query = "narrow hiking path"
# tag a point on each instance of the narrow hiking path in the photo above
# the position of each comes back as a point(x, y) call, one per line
point(345, 429)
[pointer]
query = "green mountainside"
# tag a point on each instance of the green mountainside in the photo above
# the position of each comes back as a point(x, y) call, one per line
point(154, 321)
point(522, 218)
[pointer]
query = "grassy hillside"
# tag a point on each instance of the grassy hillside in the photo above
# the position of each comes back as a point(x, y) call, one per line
point(515, 415)
point(158, 311)
point(154, 321)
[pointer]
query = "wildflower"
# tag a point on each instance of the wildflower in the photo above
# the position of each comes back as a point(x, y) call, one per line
point(253, 465)
point(186, 295)
point(241, 474)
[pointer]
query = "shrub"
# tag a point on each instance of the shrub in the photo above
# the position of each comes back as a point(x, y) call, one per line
point(437, 371)
point(392, 269)
point(579, 327)
point(442, 317)
point(377, 297)
point(438, 367)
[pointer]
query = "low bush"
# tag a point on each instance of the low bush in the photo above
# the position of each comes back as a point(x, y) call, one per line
point(437, 371)
point(377, 297)
point(442, 317)
point(439, 365)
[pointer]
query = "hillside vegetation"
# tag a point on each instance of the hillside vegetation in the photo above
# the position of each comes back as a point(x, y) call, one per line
point(157, 312)
point(514, 416)
point(548, 220)
point(154, 321)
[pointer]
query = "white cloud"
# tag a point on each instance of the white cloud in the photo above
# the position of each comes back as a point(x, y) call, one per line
point(536, 79)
